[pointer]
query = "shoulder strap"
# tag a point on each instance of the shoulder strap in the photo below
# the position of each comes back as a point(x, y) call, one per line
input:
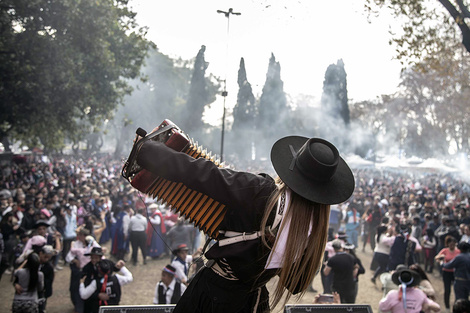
point(234, 237)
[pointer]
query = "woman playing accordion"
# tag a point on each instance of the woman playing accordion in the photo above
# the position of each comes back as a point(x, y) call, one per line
point(271, 226)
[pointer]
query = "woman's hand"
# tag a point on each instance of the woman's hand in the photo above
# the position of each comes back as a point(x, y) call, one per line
point(18, 288)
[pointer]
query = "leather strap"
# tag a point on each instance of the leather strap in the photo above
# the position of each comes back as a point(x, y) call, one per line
point(238, 237)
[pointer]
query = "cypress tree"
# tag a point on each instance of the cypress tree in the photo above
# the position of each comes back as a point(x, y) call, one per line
point(198, 96)
point(244, 113)
point(273, 110)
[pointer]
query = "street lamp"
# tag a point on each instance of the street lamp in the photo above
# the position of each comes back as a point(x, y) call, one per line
point(225, 93)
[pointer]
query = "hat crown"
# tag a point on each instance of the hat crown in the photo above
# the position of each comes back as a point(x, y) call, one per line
point(405, 277)
point(317, 159)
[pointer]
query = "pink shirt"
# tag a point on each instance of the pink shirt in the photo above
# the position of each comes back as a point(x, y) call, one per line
point(449, 256)
point(415, 300)
point(78, 250)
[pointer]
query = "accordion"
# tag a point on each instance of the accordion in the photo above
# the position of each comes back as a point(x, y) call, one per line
point(198, 208)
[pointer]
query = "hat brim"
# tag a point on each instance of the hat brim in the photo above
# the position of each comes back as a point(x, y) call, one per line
point(41, 224)
point(416, 277)
point(180, 249)
point(337, 190)
point(90, 254)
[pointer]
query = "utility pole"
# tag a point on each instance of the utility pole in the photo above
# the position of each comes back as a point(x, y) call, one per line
point(225, 93)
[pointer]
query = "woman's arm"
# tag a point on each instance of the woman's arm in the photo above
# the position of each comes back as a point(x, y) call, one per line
point(234, 189)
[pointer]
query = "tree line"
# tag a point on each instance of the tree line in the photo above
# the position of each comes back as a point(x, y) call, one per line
point(83, 74)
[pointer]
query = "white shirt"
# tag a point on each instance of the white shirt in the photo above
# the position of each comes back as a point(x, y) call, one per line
point(155, 220)
point(125, 223)
point(168, 291)
point(125, 278)
point(179, 267)
point(138, 223)
point(385, 244)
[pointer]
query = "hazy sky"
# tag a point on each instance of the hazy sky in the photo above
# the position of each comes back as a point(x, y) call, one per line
point(305, 37)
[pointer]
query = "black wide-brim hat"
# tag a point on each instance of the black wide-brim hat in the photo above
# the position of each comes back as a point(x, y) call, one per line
point(95, 251)
point(404, 275)
point(313, 169)
point(41, 223)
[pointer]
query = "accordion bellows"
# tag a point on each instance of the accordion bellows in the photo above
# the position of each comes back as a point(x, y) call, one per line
point(198, 208)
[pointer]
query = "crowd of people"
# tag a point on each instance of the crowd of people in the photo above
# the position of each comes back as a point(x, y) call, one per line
point(63, 213)
point(57, 213)
point(415, 226)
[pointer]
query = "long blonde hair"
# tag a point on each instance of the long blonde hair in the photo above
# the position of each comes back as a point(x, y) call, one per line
point(303, 253)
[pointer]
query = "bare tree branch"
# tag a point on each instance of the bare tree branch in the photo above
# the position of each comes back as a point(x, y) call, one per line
point(459, 19)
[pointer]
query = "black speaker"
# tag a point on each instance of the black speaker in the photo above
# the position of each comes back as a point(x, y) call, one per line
point(161, 308)
point(327, 308)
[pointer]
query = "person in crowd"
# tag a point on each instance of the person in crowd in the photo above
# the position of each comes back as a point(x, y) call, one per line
point(344, 267)
point(461, 266)
point(429, 244)
point(168, 289)
point(28, 282)
point(29, 218)
point(138, 236)
point(77, 260)
point(403, 248)
point(182, 262)
point(45, 255)
point(70, 230)
point(446, 255)
point(336, 216)
point(3, 264)
point(353, 224)
point(374, 221)
point(106, 288)
point(461, 306)
point(327, 280)
point(90, 270)
point(384, 239)
point(465, 234)
point(120, 242)
point(408, 298)
point(241, 265)
point(445, 229)
point(180, 234)
point(349, 248)
point(9, 228)
point(54, 239)
point(424, 284)
point(155, 231)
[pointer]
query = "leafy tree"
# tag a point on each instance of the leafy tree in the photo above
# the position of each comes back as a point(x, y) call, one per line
point(427, 26)
point(161, 96)
point(272, 110)
point(63, 62)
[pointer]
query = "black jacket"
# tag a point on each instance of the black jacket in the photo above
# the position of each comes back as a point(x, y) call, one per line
point(244, 194)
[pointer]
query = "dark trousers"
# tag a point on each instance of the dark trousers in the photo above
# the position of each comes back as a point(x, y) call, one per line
point(326, 281)
point(347, 295)
point(461, 289)
point(429, 255)
point(447, 278)
point(372, 233)
point(67, 243)
point(75, 276)
point(138, 240)
point(382, 261)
